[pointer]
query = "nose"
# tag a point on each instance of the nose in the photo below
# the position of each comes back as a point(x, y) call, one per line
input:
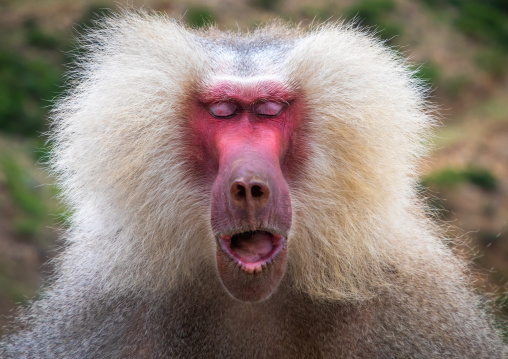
point(250, 194)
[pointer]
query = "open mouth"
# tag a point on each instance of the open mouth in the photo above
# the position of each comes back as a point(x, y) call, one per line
point(254, 250)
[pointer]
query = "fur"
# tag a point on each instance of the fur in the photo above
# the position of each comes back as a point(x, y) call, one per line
point(367, 275)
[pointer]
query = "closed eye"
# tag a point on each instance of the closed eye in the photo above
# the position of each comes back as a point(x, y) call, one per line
point(223, 109)
point(268, 108)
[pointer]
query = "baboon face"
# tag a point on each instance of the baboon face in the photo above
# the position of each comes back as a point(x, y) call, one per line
point(243, 135)
point(221, 150)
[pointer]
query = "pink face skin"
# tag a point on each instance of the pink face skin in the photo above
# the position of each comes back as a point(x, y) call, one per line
point(244, 140)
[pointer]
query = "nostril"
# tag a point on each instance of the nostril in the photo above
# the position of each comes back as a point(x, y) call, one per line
point(248, 192)
point(256, 191)
point(240, 192)
point(260, 193)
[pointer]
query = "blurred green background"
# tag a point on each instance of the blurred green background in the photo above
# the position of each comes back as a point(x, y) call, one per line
point(460, 47)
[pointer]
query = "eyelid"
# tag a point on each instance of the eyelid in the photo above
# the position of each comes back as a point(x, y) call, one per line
point(268, 108)
point(223, 109)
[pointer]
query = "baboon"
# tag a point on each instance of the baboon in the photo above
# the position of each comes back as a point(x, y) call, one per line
point(246, 195)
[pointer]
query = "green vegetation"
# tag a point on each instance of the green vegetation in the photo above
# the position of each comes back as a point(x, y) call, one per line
point(486, 22)
point(428, 72)
point(24, 85)
point(320, 14)
point(31, 203)
point(453, 86)
point(93, 15)
point(266, 4)
point(199, 16)
point(28, 82)
point(375, 13)
point(24, 191)
point(31, 73)
point(13, 288)
point(38, 37)
point(493, 61)
point(496, 109)
point(450, 177)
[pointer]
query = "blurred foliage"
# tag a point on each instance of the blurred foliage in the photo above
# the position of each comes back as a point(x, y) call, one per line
point(484, 21)
point(12, 287)
point(88, 22)
point(24, 85)
point(33, 207)
point(493, 61)
point(26, 82)
point(451, 177)
point(488, 238)
point(37, 37)
point(495, 108)
point(93, 15)
point(31, 73)
point(428, 72)
point(454, 86)
point(266, 4)
point(326, 12)
point(375, 13)
point(24, 191)
point(199, 16)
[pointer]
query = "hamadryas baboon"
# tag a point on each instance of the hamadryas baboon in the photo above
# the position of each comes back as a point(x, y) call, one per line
point(246, 195)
